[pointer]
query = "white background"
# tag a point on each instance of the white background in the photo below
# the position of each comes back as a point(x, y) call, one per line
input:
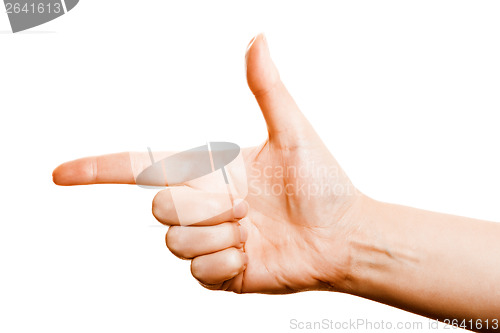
point(405, 94)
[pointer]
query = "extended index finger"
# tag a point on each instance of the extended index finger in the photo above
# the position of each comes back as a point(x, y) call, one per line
point(159, 169)
point(121, 168)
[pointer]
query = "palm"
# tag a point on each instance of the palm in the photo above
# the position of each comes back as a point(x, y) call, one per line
point(283, 234)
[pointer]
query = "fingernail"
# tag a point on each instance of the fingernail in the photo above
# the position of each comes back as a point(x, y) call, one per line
point(240, 208)
point(264, 39)
point(251, 43)
point(243, 234)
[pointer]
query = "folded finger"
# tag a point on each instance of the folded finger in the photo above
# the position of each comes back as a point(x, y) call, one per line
point(183, 205)
point(190, 242)
point(215, 268)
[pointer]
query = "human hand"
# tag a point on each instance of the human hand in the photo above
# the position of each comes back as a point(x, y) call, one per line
point(293, 231)
point(303, 226)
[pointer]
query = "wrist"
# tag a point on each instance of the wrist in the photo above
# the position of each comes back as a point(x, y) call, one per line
point(379, 245)
point(352, 238)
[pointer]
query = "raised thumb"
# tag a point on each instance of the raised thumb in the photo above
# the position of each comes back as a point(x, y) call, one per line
point(282, 115)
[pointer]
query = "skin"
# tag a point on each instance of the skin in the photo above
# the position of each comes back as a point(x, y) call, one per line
point(299, 238)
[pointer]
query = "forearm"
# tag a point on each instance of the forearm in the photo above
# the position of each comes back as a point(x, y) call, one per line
point(436, 265)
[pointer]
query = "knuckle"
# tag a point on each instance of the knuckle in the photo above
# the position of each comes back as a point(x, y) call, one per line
point(172, 240)
point(156, 205)
point(234, 260)
point(196, 269)
point(162, 205)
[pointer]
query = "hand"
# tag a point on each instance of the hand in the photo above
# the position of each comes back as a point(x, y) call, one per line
point(303, 225)
point(293, 232)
